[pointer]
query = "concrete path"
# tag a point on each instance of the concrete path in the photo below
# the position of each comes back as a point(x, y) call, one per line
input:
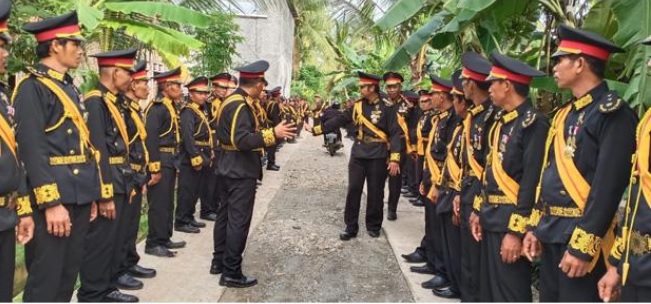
point(297, 255)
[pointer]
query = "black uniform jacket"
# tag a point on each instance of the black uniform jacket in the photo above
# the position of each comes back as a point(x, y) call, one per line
point(196, 144)
point(520, 151)
point(162, 124)
point(241, 144)
point(53, 139)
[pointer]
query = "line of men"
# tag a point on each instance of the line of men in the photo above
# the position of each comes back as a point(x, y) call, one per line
point(75, 168)
point(502, 185)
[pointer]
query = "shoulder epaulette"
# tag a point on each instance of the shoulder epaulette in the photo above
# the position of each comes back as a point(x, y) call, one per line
point(35, 72)
point(444, 114)
point(134, 105)
point(529, 118)
point(92, 93)
point(476, 110)
point(611, 104)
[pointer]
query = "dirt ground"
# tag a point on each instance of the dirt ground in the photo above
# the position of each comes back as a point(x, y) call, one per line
point(296, 254)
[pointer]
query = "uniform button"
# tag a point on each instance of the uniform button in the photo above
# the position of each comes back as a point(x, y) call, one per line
point(115, 143)
point(115, 130)
point(75, 171)
point(72, 152)
point(563, 193)
point(69, 131)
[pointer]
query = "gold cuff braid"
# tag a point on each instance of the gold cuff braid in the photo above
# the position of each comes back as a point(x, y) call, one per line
point(47, 194)
point(518, 223)
point(395, 157)
point(23, 206)
point(317, 130)
point(269, 137)
point(585, 242)
point(618, 248)
point(196, 161)
point(476, 204)
point(535, 217)
point(154, 167)
point(107, 191)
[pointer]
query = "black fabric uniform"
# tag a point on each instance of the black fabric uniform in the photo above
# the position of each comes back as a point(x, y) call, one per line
point(103, 252)
point(604, 130)
point(162, 145)
point(53, 262)
point(238, 167)
point(482, 119)
point(273, 119)
point(138, 160)
point(210, 197)
point(195, 151)
point(368, 159)
point(447, 119)
point(412, 178)
point(521, 146)
point(395, 182)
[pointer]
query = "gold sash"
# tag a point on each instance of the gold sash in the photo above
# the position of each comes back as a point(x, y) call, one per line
point(405, 130)
point(643, 144)
point(7, 135)
point(204, 120)
point(174, 117)
point(454, 170)
point(419, 139)
point(358, 117)
point(109, 100)
point(509, 186)
point(429, 159)
point(474, 164)
point(576, 186)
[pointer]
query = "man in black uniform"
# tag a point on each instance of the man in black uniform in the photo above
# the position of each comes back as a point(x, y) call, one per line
point(585, 174)
point(238, 167)
point(163, 136)
point(393, 84)
point(409, 187)
point(196, 155)
point(475, 140)
point(13, 210)
point(378, 142)
point(628, 272)
point(108, 134)
point(54, 145)
point(138, 159)
point(435, 152)
point(273, 119)
point(517, 144)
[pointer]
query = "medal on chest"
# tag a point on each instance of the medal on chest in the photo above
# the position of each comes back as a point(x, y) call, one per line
point(375, 114)
point(573, 130)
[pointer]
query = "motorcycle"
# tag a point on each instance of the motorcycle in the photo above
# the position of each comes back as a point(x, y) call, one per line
point(333, 143)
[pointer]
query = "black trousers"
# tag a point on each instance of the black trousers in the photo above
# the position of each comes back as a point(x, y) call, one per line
point(53, 262)
point(103, 254)
point(632, 293)
point(395, 185)
point(233, 223)
point(132, 215)
point(374, 172)
point(470, 249)
point(451, 241)
point(7, 264)
point(556, 286)
point(191, 184)
point(161, 209)
point(501, 282)
point(410, 171)
point(433, 234)
point(271, 155)
point(207, 196)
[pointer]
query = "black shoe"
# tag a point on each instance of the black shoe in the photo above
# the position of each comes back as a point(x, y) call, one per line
point(241, 282)
point(405, 191)
point(273, 167)
point(392, 216)
point(409, 194)
point(127, 282)
point(447, 293)
point(374, 233)
point(187, 228)
point(414, 257)
point(215, 268)
point(437, 282)
point(209, 217)
point(117, 296)
point(422, 269)
point(160, 251)
point(258, 183)
point(175, 245)
point(419, 203)
point(196, 224)
point(345, 236)
point(138, 271)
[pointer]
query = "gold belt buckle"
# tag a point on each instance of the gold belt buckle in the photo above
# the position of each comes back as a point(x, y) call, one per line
point(640, 243)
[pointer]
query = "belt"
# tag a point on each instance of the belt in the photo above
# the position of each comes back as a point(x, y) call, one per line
point(136, 167)
point(167, 150)
point(369, 140)
point(117, 160)
point(640, 243)
point(563, 211)
point(202, 143)
point(68, 160)
point(228, 147)
point(500, 200)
